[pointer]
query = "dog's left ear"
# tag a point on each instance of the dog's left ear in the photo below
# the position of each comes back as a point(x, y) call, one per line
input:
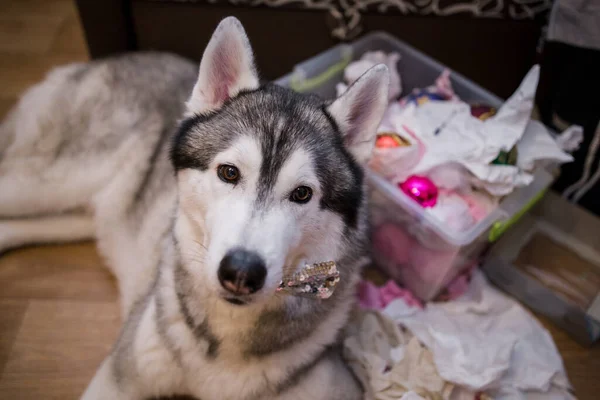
point(227, 67)
point(359, 110)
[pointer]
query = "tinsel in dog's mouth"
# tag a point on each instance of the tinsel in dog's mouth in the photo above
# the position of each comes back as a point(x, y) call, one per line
point(315, 280)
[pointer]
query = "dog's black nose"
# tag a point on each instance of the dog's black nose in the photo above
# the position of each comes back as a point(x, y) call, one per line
point(242, 272)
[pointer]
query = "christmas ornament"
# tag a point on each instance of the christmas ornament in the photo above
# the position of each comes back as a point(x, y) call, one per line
point(316, 280)
point(482, 112)
point(388, 140)
point(506, 157)
point(421, 189)
point(440, 91)
point(422, 96)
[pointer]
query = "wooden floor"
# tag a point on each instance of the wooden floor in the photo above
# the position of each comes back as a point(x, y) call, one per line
point(58, 318)
point(58, 304)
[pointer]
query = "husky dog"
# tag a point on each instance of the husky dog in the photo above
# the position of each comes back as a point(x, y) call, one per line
point(201, 189)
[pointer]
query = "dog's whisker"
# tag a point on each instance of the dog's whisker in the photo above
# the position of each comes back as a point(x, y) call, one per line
point(200, 244)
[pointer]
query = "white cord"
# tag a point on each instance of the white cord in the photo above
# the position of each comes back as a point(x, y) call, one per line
point(592, 150)
point(581, 192)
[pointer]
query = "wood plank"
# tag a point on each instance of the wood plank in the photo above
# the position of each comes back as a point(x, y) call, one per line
point(70, 39)
point(6, 103)
point(582, 363)
point(73, 271)
point(11, 315)
point(40, 8)
point(28, 33)
point(58, 349)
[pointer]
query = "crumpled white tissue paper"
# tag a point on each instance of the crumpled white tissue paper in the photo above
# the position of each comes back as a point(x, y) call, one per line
point(371, 58)
point(392, 364)
point(449, 133)
point(411, 396)
point(537, 144)
point(571, 138)
point(487, 341)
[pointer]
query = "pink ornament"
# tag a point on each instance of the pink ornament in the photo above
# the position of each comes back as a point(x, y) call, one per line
point(421, 189)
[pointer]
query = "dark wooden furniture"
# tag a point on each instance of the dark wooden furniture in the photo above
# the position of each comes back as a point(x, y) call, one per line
point(493, 42)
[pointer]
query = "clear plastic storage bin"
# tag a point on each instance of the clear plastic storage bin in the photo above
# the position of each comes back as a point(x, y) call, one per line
point(431, 254)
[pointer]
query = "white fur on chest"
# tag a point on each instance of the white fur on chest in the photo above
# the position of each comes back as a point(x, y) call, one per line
point(184, 367)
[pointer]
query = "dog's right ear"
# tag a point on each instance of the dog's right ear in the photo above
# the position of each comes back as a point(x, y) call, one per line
point(359, 110)
point(227, 67)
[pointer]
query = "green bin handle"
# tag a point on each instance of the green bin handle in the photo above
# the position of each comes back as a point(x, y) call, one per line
point(318, 80)
point(500, 227)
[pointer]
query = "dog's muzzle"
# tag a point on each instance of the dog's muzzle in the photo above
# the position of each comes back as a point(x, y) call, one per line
point(242, 273)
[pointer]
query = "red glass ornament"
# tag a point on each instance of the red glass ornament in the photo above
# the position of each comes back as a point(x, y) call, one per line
point(390, 140)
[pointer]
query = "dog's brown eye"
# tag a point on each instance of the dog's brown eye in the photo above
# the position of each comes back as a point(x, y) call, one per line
point(228, 173)
point(301, 194)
